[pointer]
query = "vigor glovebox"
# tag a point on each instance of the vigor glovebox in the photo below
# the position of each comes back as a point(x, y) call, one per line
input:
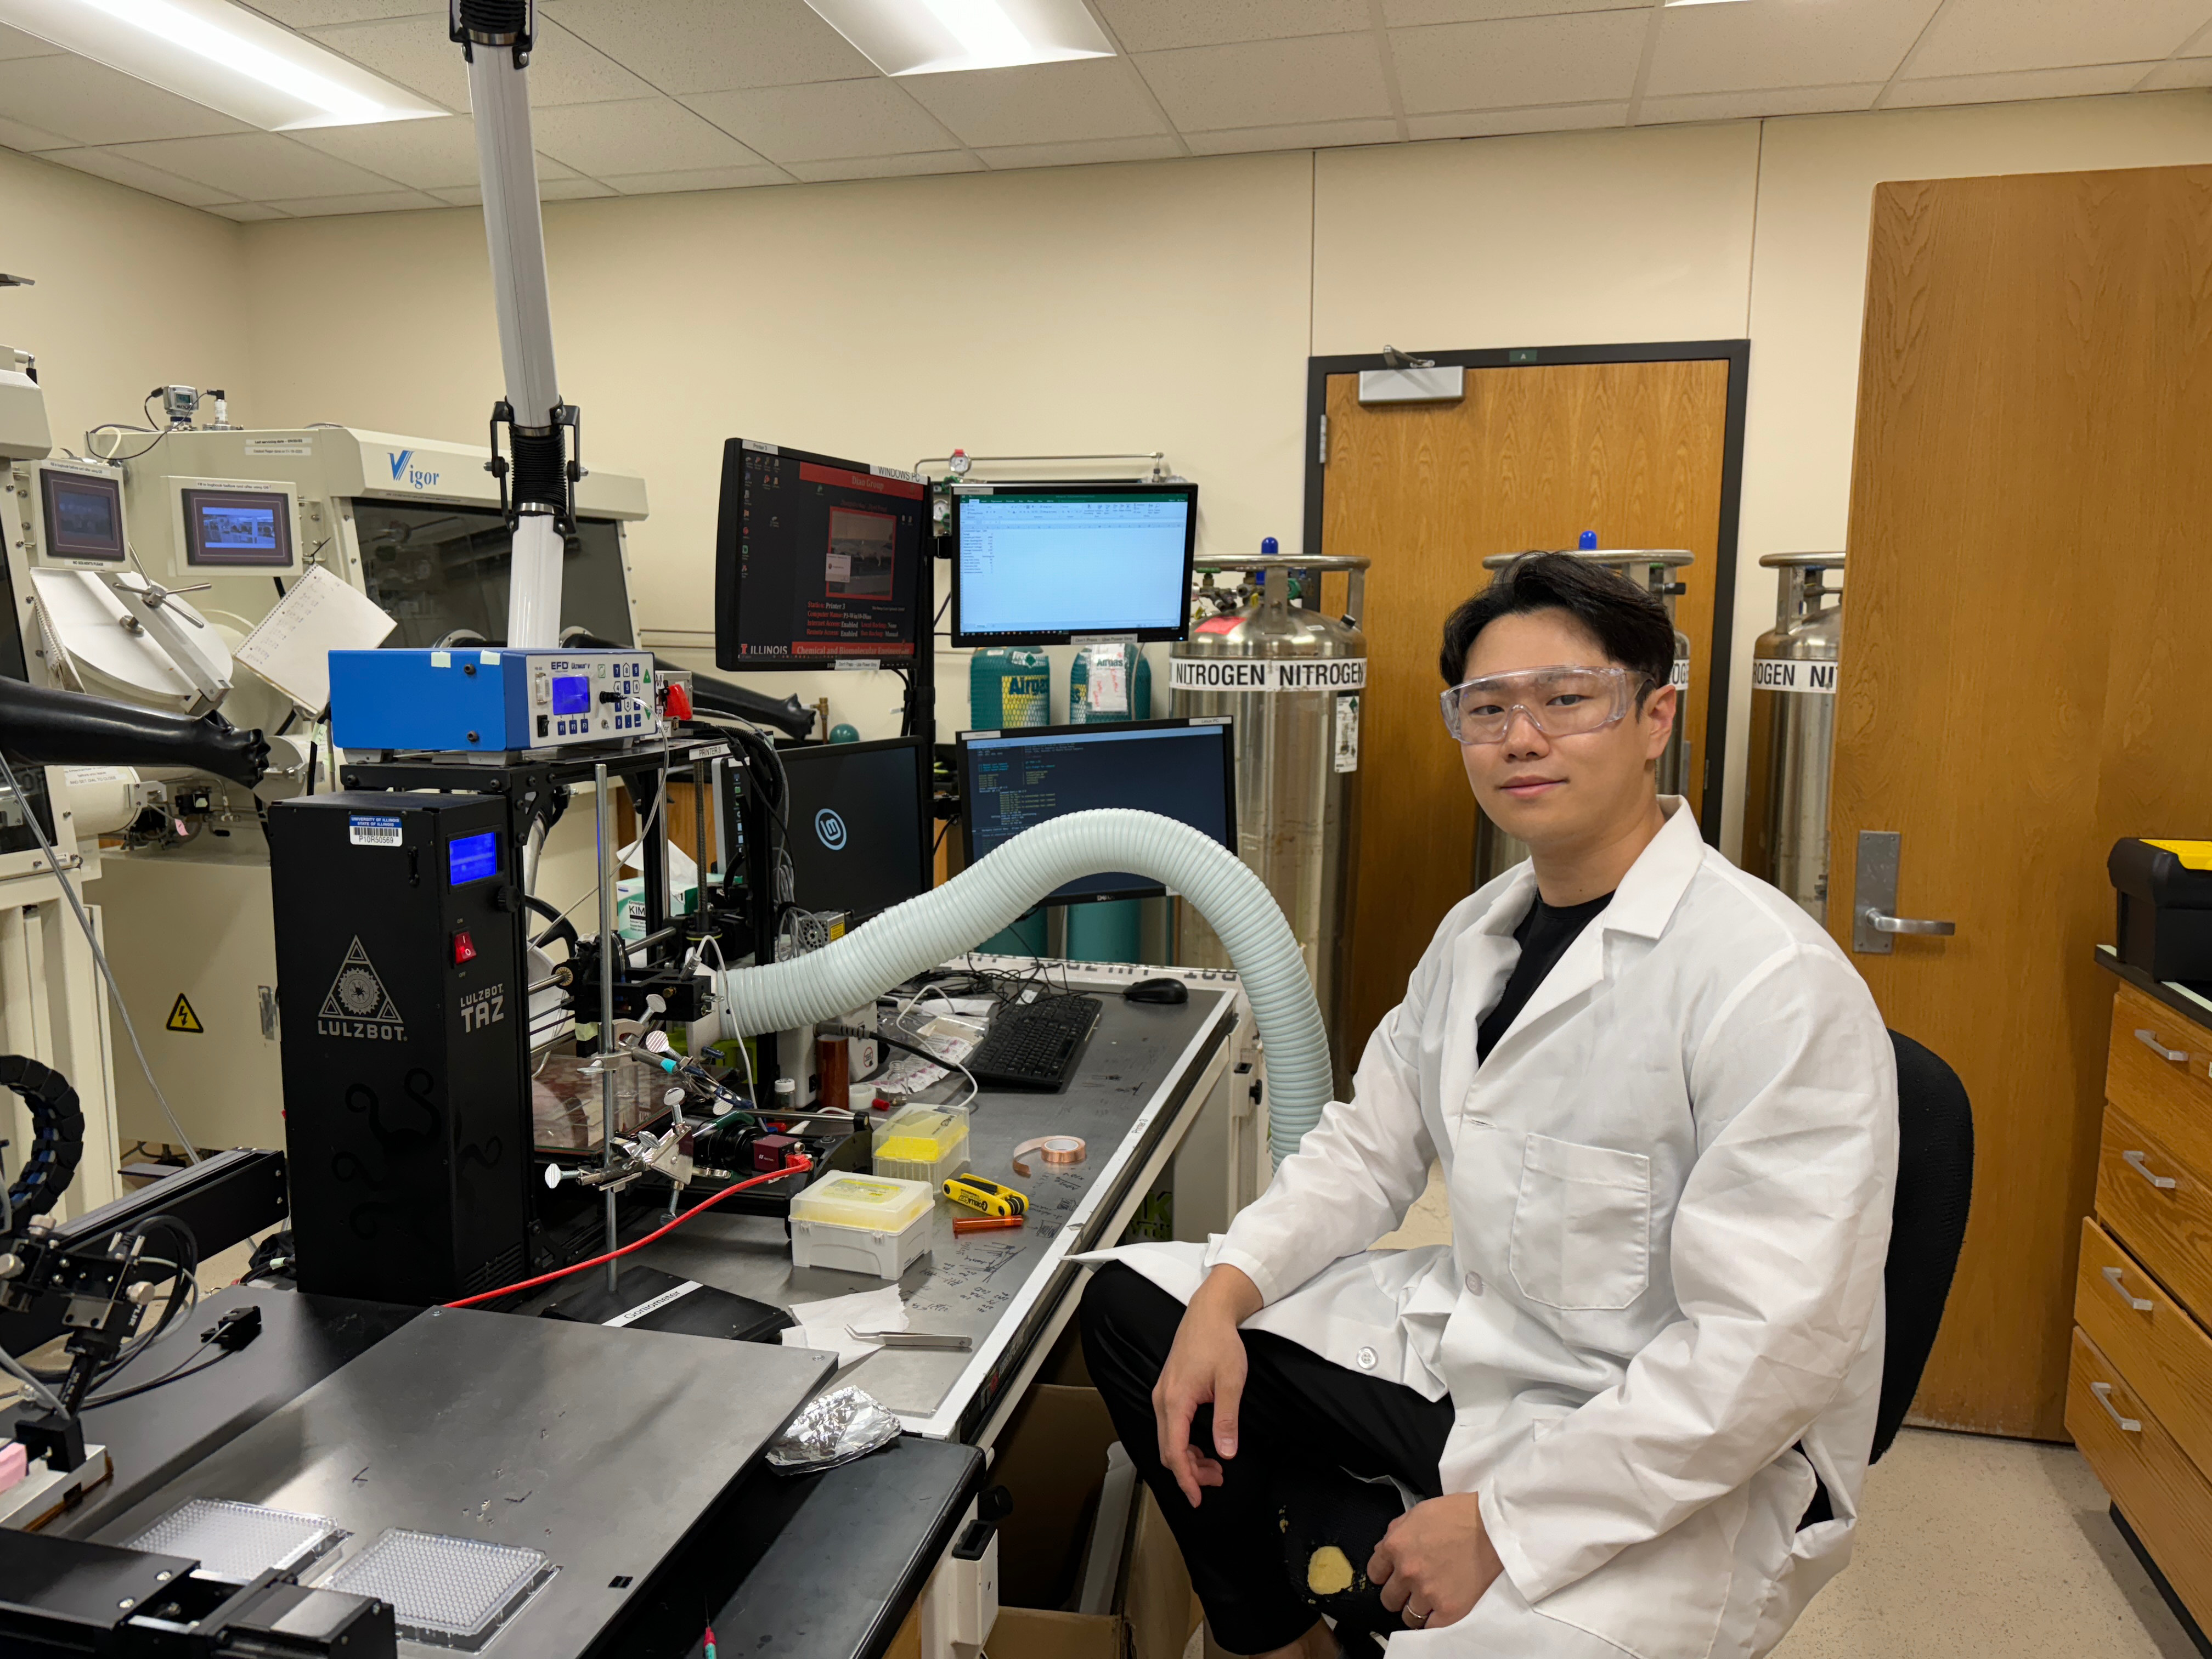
point(399, 963)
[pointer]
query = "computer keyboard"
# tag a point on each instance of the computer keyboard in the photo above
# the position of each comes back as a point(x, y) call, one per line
point(1035, 1045)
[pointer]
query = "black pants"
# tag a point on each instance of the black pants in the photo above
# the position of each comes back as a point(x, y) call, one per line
point(1302, 1418)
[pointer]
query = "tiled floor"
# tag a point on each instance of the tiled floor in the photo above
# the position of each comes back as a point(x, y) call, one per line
point(1968, 1548)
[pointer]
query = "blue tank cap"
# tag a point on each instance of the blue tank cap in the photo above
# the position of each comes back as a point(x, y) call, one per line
point(1269, 547)
point(1589, 543)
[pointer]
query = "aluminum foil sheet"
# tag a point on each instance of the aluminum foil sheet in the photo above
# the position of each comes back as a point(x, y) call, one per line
point(831, 1429)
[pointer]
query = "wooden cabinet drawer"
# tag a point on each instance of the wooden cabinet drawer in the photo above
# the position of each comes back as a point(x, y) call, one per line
point(2165, 1496)
point(2171, 1098)
point(2158, 1204)
point(2163, 1354)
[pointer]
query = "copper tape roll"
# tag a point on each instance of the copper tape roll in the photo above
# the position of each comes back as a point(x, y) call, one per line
point(1054, 1149)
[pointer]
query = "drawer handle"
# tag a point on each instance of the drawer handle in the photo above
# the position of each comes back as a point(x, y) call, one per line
point(2141, 1164)
point(2104, 1392)
point(2149, 1040)
point(2113, 1275)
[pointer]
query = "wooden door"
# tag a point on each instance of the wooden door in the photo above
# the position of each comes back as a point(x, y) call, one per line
point(2022, 680)
point(1531, 458)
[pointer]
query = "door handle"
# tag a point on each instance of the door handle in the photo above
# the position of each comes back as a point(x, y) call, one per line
point(2140, 1163)
point(1882, 924)
point(2104, 1392)
point(1874, 921)
point(2139, 1303)
point(2149, 1040)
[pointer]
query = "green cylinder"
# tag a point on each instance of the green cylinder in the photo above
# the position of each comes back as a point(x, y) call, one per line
point(1009, 686)
point(1125, 692)
point(1104, 933)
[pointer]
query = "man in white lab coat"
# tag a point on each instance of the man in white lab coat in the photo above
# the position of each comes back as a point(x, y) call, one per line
point(1629, 1406)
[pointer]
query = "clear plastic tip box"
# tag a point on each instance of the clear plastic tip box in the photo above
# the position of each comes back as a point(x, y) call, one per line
point(862, 1223)
point(922, 1143)
point(476, 702)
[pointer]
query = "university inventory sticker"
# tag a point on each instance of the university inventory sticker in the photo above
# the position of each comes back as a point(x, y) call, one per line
point(358, 1004)
point(373, 831)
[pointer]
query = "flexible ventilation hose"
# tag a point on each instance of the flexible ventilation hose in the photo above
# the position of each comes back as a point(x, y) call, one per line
point(851, 972)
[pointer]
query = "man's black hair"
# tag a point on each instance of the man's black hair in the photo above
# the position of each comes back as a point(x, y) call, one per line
point(1628, 622)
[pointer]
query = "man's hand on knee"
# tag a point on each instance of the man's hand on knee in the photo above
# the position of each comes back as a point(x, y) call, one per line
point(1206, 1366)
point(1435, 1561)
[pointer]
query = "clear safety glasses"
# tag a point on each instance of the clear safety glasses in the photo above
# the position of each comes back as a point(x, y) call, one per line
point(1558, 702)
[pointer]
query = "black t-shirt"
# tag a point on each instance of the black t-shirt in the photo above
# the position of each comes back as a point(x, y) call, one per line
point(1544, 934)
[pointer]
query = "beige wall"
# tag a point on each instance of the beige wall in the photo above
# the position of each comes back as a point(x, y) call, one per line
point(1166, 305)
point(132, 292)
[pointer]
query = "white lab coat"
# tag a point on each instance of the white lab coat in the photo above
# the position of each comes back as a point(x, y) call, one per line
point(1661, 1310)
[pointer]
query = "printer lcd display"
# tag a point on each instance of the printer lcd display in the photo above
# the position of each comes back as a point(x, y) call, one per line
point(471, 858)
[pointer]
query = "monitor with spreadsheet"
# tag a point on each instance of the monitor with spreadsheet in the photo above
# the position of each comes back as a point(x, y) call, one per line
point(818, 563)
point(1183, 769)
point(1043, 565)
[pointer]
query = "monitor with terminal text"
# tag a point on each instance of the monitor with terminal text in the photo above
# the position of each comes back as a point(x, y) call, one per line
point(818, 563)
point(857, 824)
point(1044, 564)
point(1183, 769)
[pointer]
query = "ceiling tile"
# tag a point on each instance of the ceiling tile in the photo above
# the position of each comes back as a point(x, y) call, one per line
point(1404, 14)
point(549, 190)
point(1974, 37)
point(381, 201)
point(14, 43)
point(825, 120)
point(415, 53)
point(13, 134)
point(427, 154)
point(654, 184)
point(1575, 58)
point(1311, 135)
point(1083, 152)
point(1735, 106)
point(714, 45)
point(262, 167)
point(654, 135)
point(1738, 48)
point(1042, 103)
point(129, 170)
point(2086, 82)
point(1163, 25)
point(2181, 72)
point(884, 166)
point(319, 14)
point(93, 104)
point(246, 211)
point(1542, 118)
point(1322, 77)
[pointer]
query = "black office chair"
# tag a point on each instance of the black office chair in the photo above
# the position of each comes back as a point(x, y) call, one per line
point(1928, 1223)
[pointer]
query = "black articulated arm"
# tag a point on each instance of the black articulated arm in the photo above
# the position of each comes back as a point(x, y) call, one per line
point(68, 728)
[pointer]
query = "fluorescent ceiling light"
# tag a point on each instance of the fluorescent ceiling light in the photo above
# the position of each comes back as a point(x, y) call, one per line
point(224, 56)
point(929, 37)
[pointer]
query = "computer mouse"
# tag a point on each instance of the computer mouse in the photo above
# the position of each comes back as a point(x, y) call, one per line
point(1160, 989)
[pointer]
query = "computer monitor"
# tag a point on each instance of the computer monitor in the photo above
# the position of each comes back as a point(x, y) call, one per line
point(79, 519)
point(1183, 769)
point(237, 527)
point(1043, 565)
point(818, 563)
point(857, 824)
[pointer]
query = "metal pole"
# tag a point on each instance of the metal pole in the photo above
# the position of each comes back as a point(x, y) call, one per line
point(610, 956)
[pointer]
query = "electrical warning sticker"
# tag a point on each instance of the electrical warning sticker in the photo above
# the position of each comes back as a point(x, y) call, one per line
point(358, 1004)
point(363, 831)
point(182, 1018)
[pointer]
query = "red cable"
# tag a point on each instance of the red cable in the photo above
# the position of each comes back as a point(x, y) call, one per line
point(798, 1161)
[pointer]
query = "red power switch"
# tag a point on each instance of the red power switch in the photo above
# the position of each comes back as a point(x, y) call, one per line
point(677, 704)
point(465, 949)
